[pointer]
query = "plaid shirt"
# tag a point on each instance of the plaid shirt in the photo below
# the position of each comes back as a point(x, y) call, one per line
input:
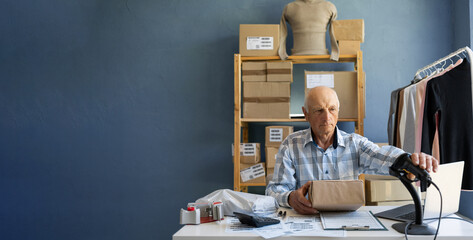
point(300, 160)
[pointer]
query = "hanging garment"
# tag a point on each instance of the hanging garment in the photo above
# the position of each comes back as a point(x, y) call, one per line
point(420, 100)
point(392, 124)
point(407, 126)
point(309, 20)
point(450, 97)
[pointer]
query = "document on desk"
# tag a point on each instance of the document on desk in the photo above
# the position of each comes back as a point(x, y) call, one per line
point(292, 225)
point(351, 221)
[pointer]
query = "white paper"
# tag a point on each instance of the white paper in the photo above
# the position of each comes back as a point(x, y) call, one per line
point(275, 134)
point(355, 219)
point(259, 43)
point(234, 225)
point(248, 149)
point(297, 226)
point(315, 80)
point(252, 172)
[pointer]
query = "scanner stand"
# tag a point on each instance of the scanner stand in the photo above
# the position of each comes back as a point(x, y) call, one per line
point(400, 168)
point(418, 227)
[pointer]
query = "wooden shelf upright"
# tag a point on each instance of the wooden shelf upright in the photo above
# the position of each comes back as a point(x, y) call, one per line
point(241, 124)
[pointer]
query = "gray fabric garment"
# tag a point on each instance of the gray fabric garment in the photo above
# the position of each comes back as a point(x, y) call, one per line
point(393, 116)
point(309, 20)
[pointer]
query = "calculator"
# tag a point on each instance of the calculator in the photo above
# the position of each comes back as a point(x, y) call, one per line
point(255, 221)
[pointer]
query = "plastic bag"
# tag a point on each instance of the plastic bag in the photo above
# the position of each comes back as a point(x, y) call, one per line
point(242, 202)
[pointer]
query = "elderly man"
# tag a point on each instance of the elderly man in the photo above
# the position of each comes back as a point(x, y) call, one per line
point(324, 152)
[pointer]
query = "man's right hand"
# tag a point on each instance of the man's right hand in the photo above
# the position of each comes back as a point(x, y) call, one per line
point(298, 201)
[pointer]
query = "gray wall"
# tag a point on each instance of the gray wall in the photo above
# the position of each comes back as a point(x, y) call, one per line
point(116, 114)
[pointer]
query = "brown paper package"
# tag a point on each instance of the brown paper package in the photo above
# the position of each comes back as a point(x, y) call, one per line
point(337, 195)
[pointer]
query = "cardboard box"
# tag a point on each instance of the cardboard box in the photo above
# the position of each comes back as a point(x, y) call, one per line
point(348, 47)
point(353, 29)
point(344, 83)
point(250, 153)
point(253, 71)
point(252, 170)
point(269, 171)
point(259, 39)
point(386, 190)
point(276, 134)
point(279, 71)
point(266, 91)
point(337, 195)
point(271, 156)
point(266, 110)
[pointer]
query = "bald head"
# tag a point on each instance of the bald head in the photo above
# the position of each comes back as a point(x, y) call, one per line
point(319, 94)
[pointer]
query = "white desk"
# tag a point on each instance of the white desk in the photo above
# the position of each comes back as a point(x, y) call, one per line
point(449, 229)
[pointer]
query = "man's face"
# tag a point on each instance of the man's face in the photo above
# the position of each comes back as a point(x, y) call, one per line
point(322, 112)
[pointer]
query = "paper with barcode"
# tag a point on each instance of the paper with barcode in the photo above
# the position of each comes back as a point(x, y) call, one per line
point(252, 172)
point(275, 134)
point(316, 80)
point(248, 149)
point(259, 43)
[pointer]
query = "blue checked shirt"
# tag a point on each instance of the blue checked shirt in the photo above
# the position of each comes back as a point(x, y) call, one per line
point(300, 160)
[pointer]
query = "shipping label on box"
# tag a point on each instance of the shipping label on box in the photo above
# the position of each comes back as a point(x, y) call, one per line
point(259, 43)
point(276, 134)
point(252, 172)
point(253, 71)
point(317, 80)
point(248, 149)
point(259, 39)
point(249, 153)
point(344, 83)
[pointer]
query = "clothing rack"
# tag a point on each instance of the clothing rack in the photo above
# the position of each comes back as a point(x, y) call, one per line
point(463, 50)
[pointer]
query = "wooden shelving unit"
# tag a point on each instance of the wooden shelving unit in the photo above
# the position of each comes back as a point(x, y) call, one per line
point(241, 124)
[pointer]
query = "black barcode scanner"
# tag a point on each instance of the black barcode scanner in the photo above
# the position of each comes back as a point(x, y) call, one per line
point(401, 167)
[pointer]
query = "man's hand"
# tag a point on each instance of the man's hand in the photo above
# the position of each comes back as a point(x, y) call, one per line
point(424, 161)
point(298, 201)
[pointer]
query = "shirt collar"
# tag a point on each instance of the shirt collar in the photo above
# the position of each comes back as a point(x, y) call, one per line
point(337, 141)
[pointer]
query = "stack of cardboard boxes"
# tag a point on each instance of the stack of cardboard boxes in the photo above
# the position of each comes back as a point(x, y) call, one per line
point(273, 139)
point(266, 85)
point(266, 89)
point(251, 167)
point(349, 34)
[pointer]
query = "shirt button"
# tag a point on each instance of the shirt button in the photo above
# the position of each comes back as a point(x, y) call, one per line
point(326, 172)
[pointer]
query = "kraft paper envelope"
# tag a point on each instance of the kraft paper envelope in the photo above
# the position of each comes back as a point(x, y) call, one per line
point(337, 195)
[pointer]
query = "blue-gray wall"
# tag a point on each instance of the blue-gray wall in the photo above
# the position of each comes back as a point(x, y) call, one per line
point(116, 114)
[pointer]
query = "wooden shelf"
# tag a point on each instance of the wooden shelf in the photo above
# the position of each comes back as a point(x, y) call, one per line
point(248, 120)
point(241, 124)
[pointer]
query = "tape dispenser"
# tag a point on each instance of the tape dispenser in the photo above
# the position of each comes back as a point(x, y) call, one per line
point(198, 213)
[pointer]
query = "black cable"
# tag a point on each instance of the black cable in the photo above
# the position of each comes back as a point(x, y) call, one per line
point(439, 218)
point(441, 205)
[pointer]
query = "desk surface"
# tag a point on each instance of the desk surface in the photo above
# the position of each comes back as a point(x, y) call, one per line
point(449, 229)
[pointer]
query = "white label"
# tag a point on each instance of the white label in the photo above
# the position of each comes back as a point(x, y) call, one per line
point(252, 172)
point(275, 134)
point(248, 149)
point(259, 43)
point(315, 80)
